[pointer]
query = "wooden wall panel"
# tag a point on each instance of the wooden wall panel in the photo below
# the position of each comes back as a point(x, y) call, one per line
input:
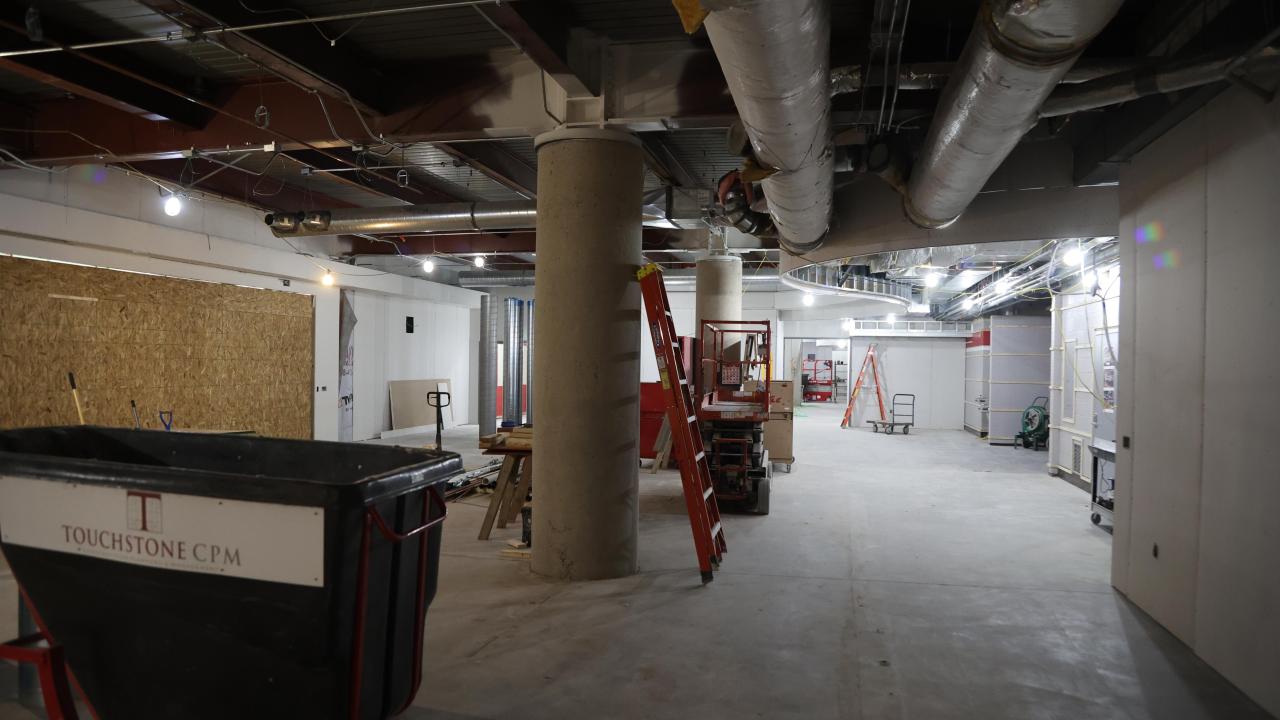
point(222, 357)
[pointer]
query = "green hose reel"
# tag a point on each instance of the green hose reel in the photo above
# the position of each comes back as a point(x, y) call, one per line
point(1035, 424)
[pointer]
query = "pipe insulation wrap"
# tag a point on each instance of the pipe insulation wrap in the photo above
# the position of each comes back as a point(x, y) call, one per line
point(487, 397)
point(437, 217)
point(528, 362)
point(1018, 51)
point(511, 362)
point(775, 55)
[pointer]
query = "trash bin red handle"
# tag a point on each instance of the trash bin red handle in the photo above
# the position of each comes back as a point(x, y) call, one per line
point(373, 518)
point(396, 537)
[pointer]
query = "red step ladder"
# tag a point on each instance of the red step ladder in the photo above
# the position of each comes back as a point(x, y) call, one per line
point(869, 360)
point(695, 472)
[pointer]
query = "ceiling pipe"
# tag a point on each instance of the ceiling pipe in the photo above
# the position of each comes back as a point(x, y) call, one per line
point(437, 217)
point(934, 76)
point(1017, 53)
point(1175, 76)
point(775, 55)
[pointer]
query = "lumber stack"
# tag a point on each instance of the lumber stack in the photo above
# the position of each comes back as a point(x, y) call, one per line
point(519, 438)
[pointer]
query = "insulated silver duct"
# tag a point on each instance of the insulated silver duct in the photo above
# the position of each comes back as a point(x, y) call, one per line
point(1018, 52)
point(511, 367)
point(488, 381)
point(528, 361)
point(775, 55)
point(439, 217)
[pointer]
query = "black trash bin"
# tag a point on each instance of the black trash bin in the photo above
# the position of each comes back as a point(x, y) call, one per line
point(211, 576)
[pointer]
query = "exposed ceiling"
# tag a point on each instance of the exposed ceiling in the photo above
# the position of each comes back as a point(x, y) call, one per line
point(430, 105)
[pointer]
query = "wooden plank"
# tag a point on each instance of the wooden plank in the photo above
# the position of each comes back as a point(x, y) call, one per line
point(513, 487)
point(505, 479)
point(522, 490)
point(662, 446)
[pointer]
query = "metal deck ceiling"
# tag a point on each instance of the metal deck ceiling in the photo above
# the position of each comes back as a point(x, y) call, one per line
point(129, 18)
point(424, 35)
point(453, 176)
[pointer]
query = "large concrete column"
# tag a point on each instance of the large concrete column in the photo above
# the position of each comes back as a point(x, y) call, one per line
point(587, 377)
point(718, 297)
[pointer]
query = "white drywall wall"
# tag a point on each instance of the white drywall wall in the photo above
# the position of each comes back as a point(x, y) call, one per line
point(438, 347)
point(1197, 376)
point(931, 368)
point(1019, 372)
point(101, 217)
point(1078, 350)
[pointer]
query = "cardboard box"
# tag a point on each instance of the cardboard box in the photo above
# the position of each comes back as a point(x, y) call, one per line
point(778, 437)
point(782, 394)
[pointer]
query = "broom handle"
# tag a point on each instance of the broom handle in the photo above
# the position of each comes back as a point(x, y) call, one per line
point(75, 395)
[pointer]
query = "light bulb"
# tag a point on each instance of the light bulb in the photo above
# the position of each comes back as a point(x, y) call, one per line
point(891, 318)
point(479, 261)
point(428, 266)
point(968, 303)
point(1073, 256)
point(807, 299)
point(933, 279)
point(172, 205)
point(327, 279)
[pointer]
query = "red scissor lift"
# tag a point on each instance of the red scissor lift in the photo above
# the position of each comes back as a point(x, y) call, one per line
point(819, 377)
point(733, 354)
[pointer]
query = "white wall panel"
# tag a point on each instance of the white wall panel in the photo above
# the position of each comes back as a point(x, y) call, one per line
point(1238, 583)
point(1197, 374)
point(931, 368)
point(1166, 184)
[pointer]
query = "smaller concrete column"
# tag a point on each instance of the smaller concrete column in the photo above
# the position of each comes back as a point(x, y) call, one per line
point(718, 297)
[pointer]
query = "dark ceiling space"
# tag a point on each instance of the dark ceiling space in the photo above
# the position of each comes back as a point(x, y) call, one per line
point(378, 110)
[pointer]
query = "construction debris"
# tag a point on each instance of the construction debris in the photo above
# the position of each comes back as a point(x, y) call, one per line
point(518, 438)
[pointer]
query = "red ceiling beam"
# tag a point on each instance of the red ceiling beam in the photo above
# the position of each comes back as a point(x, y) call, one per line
point(296, 123)
point(543, 39)
point(513, 242)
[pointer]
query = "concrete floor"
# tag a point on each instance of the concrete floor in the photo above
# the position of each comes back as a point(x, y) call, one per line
point(926, 577)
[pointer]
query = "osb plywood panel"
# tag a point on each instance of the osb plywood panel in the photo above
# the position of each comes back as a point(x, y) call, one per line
point(221, 357)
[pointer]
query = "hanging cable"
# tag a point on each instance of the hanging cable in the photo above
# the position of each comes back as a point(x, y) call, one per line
point(897, 71)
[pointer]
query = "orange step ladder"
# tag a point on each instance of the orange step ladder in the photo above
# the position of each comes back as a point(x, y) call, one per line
point(695, 472)
point(868, 361)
